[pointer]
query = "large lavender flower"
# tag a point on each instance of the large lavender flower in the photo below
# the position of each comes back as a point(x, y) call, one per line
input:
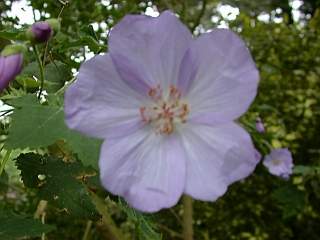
point(10, 67)
point(279, 162)
point(166, 105)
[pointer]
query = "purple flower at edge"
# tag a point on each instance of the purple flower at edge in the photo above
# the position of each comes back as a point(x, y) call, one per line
point(279, 162)
point(10, 67)
point(259, 125)
point(41, 31)
point(166, 104)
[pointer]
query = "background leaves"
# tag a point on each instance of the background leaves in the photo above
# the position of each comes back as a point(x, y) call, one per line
point(35, 125)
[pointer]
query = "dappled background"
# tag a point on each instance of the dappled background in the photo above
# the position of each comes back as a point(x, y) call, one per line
point(284, 38)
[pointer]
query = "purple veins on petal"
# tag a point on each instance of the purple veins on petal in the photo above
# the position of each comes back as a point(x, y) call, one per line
point(279, 162)
point(149, 50)
point(10, 67)
point(226, 79)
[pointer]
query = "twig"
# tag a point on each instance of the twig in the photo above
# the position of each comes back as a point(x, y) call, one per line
point(170, 231)
point(4, 161)
point(200, 15)
point(87, 230)
point(106, 218)
point(41, 70)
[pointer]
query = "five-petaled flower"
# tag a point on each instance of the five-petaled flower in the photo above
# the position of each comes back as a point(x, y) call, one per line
point(279, 162)
point(166, 104)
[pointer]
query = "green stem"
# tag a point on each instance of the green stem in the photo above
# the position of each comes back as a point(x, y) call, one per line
point(40, 64)
point(87, 230)
point(200, 15)
point(5, 160)
point(106, 218)
point(187, 218)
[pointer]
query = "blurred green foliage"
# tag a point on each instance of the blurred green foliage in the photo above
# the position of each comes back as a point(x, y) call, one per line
point(262, 207)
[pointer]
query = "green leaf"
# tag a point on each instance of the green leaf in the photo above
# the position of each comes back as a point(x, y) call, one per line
point(13, 34)
point(144, 226)
point(36, 125)
point(291, 199)
point(17, 227)
point(59, 183)
point(56, 74)
point(306, 170)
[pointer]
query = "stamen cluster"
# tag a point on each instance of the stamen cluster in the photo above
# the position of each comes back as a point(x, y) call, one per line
point(166, 110)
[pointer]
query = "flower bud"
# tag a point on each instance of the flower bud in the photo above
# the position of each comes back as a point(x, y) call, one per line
point(13, 49)
point(39, 32)
point(54, 24)
point(259, 125)
point(11, 61)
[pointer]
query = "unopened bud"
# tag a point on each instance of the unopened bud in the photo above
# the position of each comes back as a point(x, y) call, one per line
point(11, 61)
point(39, 32)
point(54, 24)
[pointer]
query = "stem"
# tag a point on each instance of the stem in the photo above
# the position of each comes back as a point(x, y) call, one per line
point(200, 15)
point(87, 230)
point(187, 218)
point(35, 49)
point(43, 236)
point(4, 161)
point(41, 213)
point(107, 221)
point(41, 208)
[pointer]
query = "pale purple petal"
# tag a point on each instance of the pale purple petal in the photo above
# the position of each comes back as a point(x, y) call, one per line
point(279, 162)
point(100, 104)
point(10, 67)
point(148, 170)
point(216, 157)
point(148, 51)
point(218, 77)
point(258, 155)
point(1, 69)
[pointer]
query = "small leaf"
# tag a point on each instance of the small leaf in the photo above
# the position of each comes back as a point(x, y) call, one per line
point(13, 34)
point(144, 226)
point(291, 200)
point(56, 74)
point(16, 227)
point(305, 170)
point(58, 182)
point(35, 125)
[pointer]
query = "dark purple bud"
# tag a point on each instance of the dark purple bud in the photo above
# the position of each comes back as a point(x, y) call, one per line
point(259, 125)
point(10, 67)
point(41, 31)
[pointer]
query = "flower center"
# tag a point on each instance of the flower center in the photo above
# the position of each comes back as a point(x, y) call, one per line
point(165, 111)
point(276, 162)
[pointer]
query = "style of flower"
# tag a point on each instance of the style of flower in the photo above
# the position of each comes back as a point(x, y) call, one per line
point(279, 162)
point(166, 105)
point(41, 31)
point(10, 67)
point(260, 126)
